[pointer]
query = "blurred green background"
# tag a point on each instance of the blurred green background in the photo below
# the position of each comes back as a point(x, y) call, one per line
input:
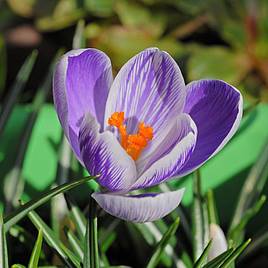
point(222, 39)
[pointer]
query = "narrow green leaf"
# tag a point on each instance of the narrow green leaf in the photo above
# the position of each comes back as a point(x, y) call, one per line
point(237, 233)
point(152, 235)
point(199, 218)
point(64, 253)
point(162, 244)
point(75, 244)
point(212, 210)
point(203, 258)
point(235, 254)
point(58, 204)
point(258, 242)
point(33, 263)
point(21, 79)
point(18, 266)
point(77, 217)
point(79, 40)
point(93, 234)
point(43, 198)
point(215, 263)
point(3, 64)
point(108, 242)
point(87, 260)
point(3, 245)
point(252, 187)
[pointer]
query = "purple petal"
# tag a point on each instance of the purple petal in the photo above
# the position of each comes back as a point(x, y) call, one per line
point(149, 88)
point(104, 156)
point(174, 156)
point(139, 208)
point(219, 243)
point(216, 107)
point(81, 83)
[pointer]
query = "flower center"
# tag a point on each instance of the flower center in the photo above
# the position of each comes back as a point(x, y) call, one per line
point(132, 143)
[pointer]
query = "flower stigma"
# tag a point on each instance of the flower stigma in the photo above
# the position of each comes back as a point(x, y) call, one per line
point(132, 143)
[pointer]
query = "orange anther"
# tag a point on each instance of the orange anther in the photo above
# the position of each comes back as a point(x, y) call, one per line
point(146, 131)
point(134, 143)
point(116, 119)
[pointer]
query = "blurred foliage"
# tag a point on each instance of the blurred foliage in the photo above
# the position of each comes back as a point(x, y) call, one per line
point(221, 39)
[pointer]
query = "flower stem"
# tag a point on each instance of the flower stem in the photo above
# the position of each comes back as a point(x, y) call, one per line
point(93, 234)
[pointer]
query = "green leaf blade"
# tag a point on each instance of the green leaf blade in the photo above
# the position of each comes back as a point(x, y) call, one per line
point(43, 198)
point(33, 263)
point(162, 244)
point(3, 246)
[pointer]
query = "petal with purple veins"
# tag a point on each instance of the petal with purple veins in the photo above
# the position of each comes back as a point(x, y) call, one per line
point(104, 156)
point(149, 88)
point(174, 155)
point(139, 208)
point(81, 83)
point(216, 107)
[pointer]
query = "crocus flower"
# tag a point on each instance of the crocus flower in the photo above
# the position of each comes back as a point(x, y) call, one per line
point(142, 128)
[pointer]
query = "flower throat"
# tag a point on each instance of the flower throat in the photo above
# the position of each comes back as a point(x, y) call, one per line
point(132, 143)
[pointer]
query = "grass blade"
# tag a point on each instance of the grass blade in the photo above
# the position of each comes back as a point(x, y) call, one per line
point(33, 263)
point(3, 64)
point(79, 40)
point(259, 241)
point(77, 217)
point(162, 244)
point(75, 244)
point(235, 254)
point(212, 210)
point(43, 198)
point(237, 234)
point(58, 204)
point(252, 187)
point(3, 245)
point(64, 253)
point(203, 258)
point(218, 261)
point(86, 260)
point(199, 218)
point(93, 233)
point(21, 79)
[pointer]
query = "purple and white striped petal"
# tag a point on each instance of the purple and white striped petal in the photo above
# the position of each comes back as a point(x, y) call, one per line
point(139, 208)
point(104, 156)
point(173, 155)
point(149, 88)
point(81, 83)
point(216, 107)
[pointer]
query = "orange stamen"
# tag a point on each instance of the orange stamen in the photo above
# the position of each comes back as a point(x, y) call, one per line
point(134, 143)
point(117, 120)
